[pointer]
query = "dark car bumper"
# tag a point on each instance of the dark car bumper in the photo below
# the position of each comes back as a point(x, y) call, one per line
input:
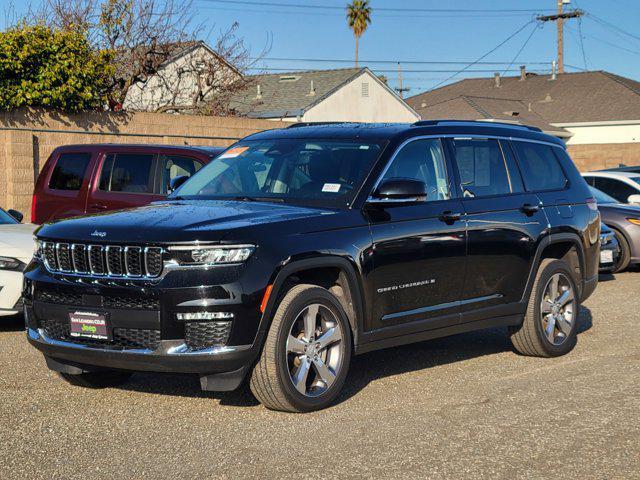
point(145, 333)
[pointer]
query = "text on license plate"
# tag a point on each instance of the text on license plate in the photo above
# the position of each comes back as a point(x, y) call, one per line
point(89, 325)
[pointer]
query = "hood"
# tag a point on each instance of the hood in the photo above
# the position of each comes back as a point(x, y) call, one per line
point(623, 208)
point(204, 220)
point(16, 240)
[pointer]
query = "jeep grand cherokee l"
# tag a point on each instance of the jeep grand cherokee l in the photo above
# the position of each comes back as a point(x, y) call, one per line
point(299, 247)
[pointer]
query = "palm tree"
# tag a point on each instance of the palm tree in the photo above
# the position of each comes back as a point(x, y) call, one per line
point(359, 18)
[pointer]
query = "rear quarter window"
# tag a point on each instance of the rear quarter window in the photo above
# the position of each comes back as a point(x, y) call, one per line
point(540, 167)
point(69, 171)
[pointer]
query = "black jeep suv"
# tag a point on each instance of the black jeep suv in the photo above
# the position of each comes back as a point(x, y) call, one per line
point(296, 248)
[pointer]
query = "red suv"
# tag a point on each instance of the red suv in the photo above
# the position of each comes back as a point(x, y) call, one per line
point(79, 179)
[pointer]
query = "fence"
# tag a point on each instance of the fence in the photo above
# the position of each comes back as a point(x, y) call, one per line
point(28, 137)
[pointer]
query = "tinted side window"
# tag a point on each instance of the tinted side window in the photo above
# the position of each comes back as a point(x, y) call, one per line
point(69, 171)
point(127, 173)
point(173, 166)
point(483, 168)
point(540, 167)
point(422, 160)
point(615, 188)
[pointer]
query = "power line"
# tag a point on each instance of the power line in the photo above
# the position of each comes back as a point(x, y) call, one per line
point(535, 27)
point(611, 44)
point(603, 22)
point(377, 9)
point(484, 56)
point(410, 62)
point(383, 70)
point(584, 55)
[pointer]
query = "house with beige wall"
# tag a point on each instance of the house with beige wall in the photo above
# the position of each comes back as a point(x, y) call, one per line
point(341, 95)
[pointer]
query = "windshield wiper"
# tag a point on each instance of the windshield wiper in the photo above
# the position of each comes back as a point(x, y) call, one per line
point(246, 198)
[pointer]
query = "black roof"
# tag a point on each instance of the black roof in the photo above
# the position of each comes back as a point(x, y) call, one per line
point(387, 131)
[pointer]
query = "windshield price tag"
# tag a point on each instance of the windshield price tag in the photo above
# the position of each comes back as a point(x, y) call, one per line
point(331, 187)
point(234, 152)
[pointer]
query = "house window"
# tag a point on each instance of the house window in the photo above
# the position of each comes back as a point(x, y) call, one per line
point(365, 89)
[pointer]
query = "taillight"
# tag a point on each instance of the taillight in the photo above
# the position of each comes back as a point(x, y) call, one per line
point(33, 208)
point(592, 204)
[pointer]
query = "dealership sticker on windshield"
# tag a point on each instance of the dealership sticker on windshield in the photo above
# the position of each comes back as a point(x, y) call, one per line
point(331, 187)
point(234, 152)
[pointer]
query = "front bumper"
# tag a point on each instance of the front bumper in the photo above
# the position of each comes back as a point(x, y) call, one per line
point(145, 331)
point(10, 291)
point(170, 357)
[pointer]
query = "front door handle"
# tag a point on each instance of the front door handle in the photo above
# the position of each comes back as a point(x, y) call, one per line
point(529, 209)
point(449, 217)
point(98, 206)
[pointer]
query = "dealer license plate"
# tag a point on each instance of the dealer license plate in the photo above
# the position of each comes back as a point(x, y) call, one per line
point(606, 256)
point(89, 325)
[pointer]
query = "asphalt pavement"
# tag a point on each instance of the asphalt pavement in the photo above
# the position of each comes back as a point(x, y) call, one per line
point(461, 407)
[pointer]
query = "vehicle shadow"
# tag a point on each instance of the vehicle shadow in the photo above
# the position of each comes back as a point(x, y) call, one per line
point(13, 323)
point(606, 277)
point(364, 368)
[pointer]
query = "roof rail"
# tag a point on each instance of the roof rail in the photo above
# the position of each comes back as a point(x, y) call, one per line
point(429, 123)
point(312, 124)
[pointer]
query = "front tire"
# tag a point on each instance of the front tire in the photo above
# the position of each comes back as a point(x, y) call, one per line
point(103, 379)
point(550, 325)
point(306, 355)
point(624, 254)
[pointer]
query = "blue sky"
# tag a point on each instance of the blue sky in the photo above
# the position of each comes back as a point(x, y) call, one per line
point(610, 35)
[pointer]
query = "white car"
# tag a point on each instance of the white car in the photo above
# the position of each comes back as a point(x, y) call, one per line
point(16, 249)
point(623, 186)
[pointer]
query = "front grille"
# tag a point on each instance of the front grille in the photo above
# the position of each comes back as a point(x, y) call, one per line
point(199, 335)
point(111, 260)
point(108, 301)
point(125, 338)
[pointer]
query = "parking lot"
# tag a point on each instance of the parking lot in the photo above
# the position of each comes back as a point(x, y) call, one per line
point(461, 407)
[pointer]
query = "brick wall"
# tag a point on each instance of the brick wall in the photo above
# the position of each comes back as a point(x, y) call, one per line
point(28, 137)
point(606, 155)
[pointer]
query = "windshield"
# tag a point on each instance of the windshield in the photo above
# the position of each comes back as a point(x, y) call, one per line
point(601, 197)
point(305, 171)
point(5, 218)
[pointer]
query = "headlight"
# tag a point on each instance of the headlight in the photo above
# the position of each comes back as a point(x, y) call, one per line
point(8, 263)
point(211, 254)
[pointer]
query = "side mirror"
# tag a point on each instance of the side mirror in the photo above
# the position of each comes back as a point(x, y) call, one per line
point(175, 182)
point(634, 199)
point(401, 189)
point(15, 214)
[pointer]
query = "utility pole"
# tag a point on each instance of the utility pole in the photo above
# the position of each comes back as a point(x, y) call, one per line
point(559, 19)
point(399, 88)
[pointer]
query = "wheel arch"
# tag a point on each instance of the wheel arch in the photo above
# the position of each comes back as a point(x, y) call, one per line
point(559, 246)
point(317, 271)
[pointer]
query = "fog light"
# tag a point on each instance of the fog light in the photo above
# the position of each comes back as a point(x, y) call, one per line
point(186, 316)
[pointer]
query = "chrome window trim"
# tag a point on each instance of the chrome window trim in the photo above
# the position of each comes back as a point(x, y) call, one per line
point(372, 199)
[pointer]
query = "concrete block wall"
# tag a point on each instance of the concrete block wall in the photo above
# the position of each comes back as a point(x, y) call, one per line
point(597, 156)
point(29, 136)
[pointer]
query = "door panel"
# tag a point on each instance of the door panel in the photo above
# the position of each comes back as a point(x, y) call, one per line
point(419, 263)
point(65, 192)
point(124, 180)
point(418, 255)
point(504, 224)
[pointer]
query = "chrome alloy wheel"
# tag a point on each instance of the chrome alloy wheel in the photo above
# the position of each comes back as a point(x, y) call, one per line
point(314, 350)
point(558, 309)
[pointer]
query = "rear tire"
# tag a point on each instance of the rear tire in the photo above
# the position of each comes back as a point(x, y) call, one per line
point(550, 324)
point(97, 379)
point(306, 355)
point(625, 253)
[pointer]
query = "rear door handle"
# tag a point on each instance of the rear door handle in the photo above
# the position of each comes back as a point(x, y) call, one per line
point(449, 217)
point(529, 209)
point(98, 206)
